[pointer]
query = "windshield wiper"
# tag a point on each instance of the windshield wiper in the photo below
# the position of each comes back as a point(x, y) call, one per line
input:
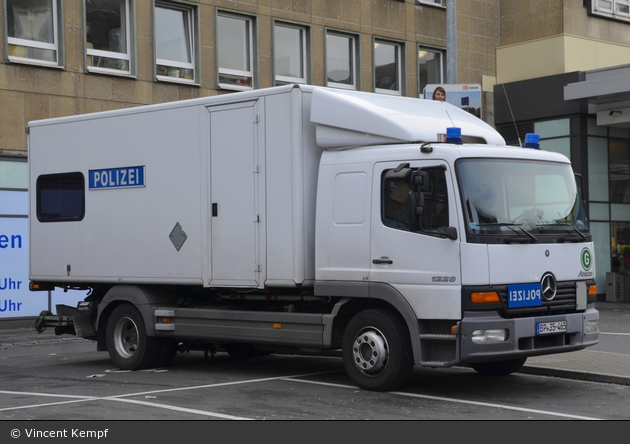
point(511, 226)
point(582, 235)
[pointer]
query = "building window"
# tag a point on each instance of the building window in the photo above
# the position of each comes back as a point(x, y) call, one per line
point(60, 197)
point(33, 31)
point(13, 174)
point(387, 67)
point(108, 36)
point(290, 53)
point(432, 2)
point(341, 60)
point(430, 68)
point(175, 42)
point(554, 136)
point(612, 9)
point(235, 44)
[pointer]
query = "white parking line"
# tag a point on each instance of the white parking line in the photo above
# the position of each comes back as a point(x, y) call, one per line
point(179, 409)
point(123, 398)
point(460, 401)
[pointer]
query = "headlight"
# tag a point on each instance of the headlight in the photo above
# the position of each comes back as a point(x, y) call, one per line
point(592, 327)
point(490, 336)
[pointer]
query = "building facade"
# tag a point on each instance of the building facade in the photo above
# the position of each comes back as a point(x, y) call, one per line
point(561, 72)
point(63, 57)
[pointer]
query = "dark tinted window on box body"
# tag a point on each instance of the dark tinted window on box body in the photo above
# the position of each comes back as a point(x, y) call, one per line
point(60, 197)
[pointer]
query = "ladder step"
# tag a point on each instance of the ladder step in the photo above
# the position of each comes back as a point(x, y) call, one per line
point(435, 364)
point(438, 337)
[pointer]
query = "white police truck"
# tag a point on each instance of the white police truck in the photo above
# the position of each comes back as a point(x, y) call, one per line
point(303, 219)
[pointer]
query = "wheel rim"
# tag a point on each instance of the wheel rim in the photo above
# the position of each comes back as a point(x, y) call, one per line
point(126, 337)
point(370, 351)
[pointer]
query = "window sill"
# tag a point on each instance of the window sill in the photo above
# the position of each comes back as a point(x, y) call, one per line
point(228, 87)
point(109, 72)
point(179, 81)
point(38, 63)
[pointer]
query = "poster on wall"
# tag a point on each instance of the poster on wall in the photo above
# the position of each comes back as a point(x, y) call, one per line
point(464, 96)
point(16, 300)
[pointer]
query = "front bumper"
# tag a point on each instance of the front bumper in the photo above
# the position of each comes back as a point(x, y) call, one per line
point(522, 339)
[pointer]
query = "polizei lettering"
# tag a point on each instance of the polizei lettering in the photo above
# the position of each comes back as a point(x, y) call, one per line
point(117, 178)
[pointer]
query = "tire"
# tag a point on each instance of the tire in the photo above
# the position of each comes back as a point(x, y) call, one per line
point(376, 350)
point(168, 351)
point(128, 345)
point(498, 368)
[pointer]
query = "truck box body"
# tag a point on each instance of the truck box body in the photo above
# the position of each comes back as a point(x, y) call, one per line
point(401, 231)
point(252, 164)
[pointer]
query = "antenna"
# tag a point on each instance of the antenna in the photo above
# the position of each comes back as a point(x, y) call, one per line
point(512, 114)
point(449, 116)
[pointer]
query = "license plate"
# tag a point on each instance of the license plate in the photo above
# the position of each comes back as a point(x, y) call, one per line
point(524, 295)
point(551, 327)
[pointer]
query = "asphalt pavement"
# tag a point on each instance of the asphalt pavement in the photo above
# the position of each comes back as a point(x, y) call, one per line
point(585, 365)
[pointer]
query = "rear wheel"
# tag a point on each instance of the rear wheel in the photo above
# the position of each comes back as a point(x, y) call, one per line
point(377, 350)
point(128, 345)
point(498, 368)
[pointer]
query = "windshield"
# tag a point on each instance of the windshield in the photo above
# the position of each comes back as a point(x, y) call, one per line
point(521, 198)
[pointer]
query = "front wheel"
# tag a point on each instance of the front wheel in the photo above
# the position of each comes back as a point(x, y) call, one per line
point(498, 368)
point(128, 345)
point(377, 350)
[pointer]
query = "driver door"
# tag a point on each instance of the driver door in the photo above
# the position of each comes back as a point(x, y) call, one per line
point(423, 265)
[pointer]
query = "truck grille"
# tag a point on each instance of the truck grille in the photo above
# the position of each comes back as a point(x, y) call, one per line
point(563, 302)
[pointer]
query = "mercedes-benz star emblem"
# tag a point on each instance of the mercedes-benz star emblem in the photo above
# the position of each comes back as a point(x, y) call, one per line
point(549, 286)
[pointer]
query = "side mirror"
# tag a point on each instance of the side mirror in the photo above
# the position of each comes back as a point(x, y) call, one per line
point(451, 233)
point(418, 183)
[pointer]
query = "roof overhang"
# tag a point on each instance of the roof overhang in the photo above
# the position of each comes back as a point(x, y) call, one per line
point(607, 92)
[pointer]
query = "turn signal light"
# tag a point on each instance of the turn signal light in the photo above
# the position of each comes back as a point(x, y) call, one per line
point(592, 290)
point(485, 297)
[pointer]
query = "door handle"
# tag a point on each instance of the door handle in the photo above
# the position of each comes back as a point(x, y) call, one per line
point(383, 260)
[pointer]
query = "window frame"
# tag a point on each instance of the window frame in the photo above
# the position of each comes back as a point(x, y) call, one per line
point(594, 9)
point(442, 65)
point(192, 17)
point(400, 51)
point(304, 48)
point(56, 46)
point(437, 3)
point(354, 58)
point(128, 56)
point(57, 178)
point(249, 55)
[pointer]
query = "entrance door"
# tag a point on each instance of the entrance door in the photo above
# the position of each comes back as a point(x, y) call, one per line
point(234, 189)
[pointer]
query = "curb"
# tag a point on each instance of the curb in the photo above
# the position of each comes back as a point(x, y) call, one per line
point(576, 374)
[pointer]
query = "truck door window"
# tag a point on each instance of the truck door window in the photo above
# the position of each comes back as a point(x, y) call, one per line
point(395, 198)
point(435, 201)
point(60, 197)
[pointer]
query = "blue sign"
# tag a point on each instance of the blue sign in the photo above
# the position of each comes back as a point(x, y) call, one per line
point(524, 295)
point(117, 178)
